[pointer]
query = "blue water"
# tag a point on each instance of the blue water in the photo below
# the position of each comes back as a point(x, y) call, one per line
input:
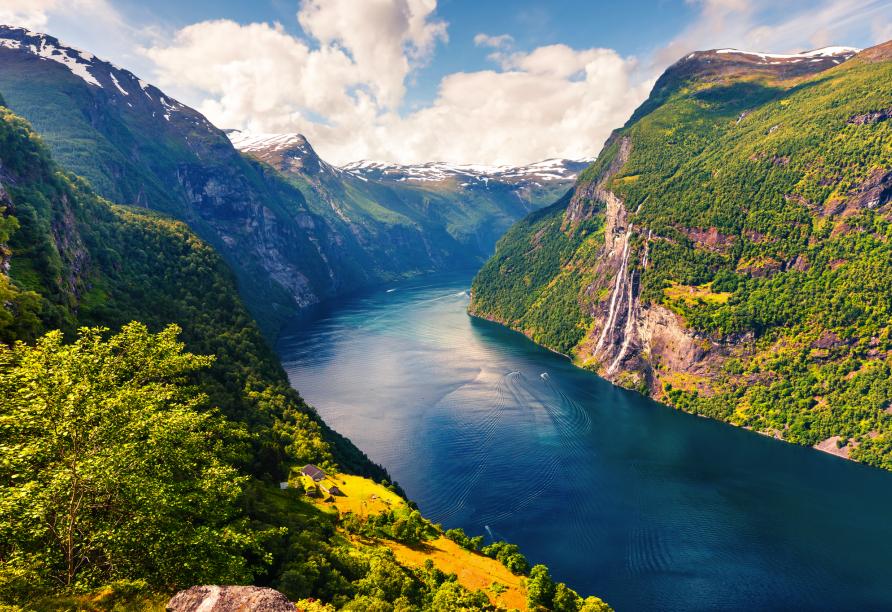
point(648, 508)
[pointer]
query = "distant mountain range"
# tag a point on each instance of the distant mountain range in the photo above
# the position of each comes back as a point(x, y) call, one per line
point(535, 183)
point(294, 152)
point(469, 176)
point(294, 229)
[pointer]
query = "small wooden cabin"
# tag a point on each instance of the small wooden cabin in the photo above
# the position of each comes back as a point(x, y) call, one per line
point(313, 472)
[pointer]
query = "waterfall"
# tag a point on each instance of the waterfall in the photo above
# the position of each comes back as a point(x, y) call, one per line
point(623, 294)
point(627, 329)
point(617, 291)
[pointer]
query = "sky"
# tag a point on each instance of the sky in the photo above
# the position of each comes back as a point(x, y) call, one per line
point(462, 81)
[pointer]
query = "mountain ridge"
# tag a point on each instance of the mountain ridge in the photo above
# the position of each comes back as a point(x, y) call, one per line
point(293, 152)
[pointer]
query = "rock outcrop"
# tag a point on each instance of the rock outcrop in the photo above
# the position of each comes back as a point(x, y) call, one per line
point(212, 598)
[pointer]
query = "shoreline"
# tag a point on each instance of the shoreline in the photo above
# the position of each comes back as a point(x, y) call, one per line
point(820, 446)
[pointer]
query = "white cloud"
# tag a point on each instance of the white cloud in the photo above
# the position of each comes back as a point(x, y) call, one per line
point(345, 93)
point(256, 75)
point(31, 14)
point(37, 15)
point(520, 115)
point(260, 77)
point(882, 32)
point(385, 38)
point(497, 42)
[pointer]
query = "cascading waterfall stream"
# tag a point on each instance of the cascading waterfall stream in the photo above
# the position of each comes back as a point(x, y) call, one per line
point(627, 328)
point(617, 292)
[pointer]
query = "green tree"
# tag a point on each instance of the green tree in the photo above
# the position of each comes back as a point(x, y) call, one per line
point(411, 530)
point(108, 471)
point(565, 599)
point(451, 597)
point(459, 536)
point(594, 604)
point(18, 309)
point(508, 555)
point(540, 588)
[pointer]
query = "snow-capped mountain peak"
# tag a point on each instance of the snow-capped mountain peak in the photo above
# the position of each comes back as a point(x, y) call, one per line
point(837, 54)
point(545, 171)
point(283, 151)
point(250, 141)
point(294, 152)
point(49, 48)
point(103, 78)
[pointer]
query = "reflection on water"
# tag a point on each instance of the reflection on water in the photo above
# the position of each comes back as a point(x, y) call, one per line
point(644, 506)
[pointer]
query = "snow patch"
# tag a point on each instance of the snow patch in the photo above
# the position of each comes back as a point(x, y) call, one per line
point(145, 88)
point(248, 142)
point(118, 85)
point(814, 55)
point(76, 61)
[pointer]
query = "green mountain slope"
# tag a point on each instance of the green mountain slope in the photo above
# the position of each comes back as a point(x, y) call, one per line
point(137, 146)
point(73, 259)
point(729, 253)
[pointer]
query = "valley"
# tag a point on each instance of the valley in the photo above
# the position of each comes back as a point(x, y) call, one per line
point(294, 229)
point(659, 378)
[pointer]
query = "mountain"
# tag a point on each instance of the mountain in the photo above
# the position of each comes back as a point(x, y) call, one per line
point(450, 215)
point(292, 153)
point(135, 145)
point(535, 181)
point(291, 235)
point(71, 258)
point(728, 251)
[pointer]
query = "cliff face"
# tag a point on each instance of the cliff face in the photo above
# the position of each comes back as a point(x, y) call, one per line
point(633, 342)
point(716, 255)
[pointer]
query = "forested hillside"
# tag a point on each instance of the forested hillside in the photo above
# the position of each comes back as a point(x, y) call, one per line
point(728, 253)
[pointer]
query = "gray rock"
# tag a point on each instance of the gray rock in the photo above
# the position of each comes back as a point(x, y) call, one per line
point(212, 598)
